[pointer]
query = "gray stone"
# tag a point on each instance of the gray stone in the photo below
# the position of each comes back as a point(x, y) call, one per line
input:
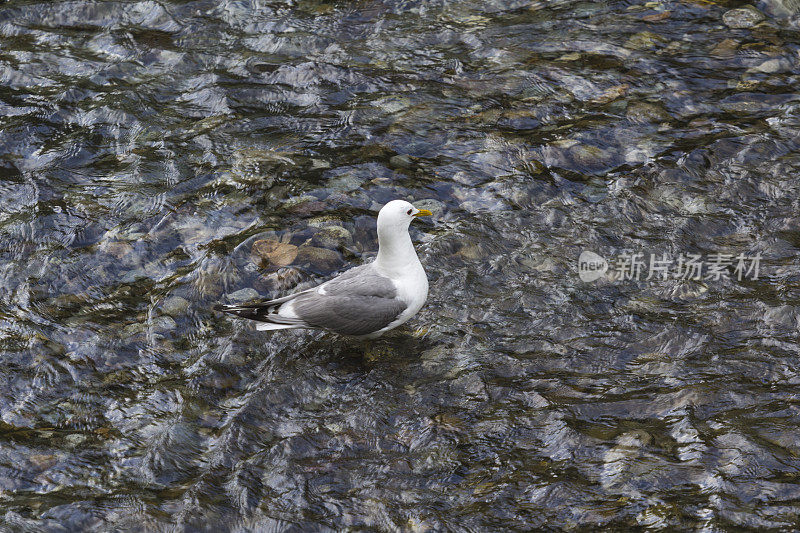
point(244, 295)
point(333, 237)
point(298, 200)
point(725, 48)
point(392, 104)
point(646, 112)
point(783, 316)
point(434, 206)
point(743, 17)
point(470, 385)
point(644, 40)
point(589, 156)
point(401, 161)
point(773, 66)
point(323, 221)
point(345, 183)
point(133, 329)
point(163, 323)
point(321, 259)
point(75, 439)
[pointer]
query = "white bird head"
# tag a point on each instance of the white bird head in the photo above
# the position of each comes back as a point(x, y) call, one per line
point(399, 214)
point(396, 253)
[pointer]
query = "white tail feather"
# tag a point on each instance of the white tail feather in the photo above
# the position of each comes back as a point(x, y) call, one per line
point(265, 326)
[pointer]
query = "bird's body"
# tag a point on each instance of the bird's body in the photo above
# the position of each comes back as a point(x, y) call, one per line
point(365, 301)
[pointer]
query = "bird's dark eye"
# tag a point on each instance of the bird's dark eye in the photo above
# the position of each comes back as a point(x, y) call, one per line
point(408, 212)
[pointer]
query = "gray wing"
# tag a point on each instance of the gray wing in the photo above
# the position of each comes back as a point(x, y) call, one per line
point(364, 280)
point(358, 302)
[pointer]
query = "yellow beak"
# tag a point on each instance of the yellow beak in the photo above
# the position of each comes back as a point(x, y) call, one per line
point(423, 213)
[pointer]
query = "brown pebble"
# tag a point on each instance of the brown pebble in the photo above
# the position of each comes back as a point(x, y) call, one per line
point(270, 252)
point(656, 17)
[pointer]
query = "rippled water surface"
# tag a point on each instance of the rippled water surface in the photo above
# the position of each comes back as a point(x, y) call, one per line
point(146, 147)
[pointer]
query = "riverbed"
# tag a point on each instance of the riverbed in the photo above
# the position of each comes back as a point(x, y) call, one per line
point(159, 157)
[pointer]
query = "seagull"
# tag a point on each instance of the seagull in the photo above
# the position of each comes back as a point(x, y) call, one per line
point(365, 301)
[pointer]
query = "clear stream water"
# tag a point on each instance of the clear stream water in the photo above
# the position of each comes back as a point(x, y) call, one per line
point(147, 148)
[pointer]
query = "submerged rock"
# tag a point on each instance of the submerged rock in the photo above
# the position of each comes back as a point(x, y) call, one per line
point(589, 156)
point(625, 461)
point(270, 252)
point(131, 330)
point(743, 17)
point(244, 295)
point(75, 439)
point(345, 183)
point(644, 40)
point(42, 461)
point(725, 48)
point(401, 161)
point(434, 206)
point(773, 66)
point(469, 385)
point(175, 306)
point(304, 205)
point(611, 94)
point(783, 316)
point(474, 251)
point(657, 17)
point(378, 351)
point(320, 259)
point(163, 323)
point(117, 249)
point(646, 112)
point(280, 280)
point(333, 236)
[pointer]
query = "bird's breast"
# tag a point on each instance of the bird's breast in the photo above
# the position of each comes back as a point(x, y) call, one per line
point(412, 287)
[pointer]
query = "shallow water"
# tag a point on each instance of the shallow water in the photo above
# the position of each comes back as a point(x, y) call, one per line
point(145, 147)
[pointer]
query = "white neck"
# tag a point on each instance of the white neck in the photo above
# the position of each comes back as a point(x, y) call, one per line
point(395, 251)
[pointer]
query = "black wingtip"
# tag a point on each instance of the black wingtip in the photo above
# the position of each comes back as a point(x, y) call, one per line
point(219, 307)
